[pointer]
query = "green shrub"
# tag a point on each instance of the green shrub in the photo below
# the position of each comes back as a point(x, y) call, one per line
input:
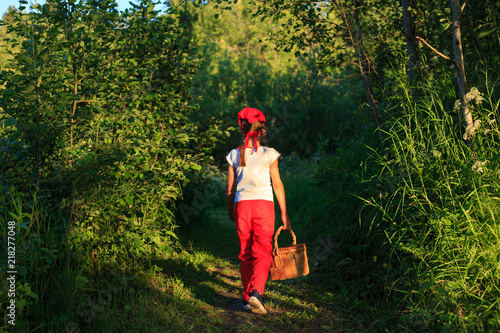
point(95, 142)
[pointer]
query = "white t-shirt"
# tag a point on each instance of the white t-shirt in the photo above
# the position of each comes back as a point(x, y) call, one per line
point(254, 180)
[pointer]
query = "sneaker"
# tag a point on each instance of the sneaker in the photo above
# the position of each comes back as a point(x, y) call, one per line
point(245, 305)
point(256, 303)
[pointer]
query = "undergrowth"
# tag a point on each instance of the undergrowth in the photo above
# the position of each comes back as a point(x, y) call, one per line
point(439, 211)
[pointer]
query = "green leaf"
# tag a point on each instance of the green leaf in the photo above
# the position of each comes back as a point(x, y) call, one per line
point(137, 242)
point(167, 250)
point(486, 33)
point(156, 239)
point(21, 270)
point(168, 232)
point(129, 199)
point(9, 122)
point(81, 281)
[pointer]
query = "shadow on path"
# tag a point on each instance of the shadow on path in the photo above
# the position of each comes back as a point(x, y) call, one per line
point(294, 305)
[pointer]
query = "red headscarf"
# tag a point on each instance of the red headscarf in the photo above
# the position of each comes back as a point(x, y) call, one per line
point(251, 115)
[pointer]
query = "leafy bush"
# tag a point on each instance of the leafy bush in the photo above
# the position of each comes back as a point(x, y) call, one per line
point(95, 138)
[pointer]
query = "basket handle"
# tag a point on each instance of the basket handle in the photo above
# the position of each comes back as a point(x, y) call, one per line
point(276, 238)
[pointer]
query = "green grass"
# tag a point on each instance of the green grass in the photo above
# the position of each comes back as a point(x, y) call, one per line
point(198, 289)
point(438, 211)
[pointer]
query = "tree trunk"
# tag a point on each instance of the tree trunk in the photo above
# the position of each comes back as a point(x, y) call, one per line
point(411, 45)
point(364, 69)
point(459, 63)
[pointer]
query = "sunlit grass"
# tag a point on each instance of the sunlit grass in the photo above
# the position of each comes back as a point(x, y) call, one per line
point(440, 218)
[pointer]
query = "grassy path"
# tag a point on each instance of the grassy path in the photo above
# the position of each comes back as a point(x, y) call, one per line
point(209, 273)
point(198, 289)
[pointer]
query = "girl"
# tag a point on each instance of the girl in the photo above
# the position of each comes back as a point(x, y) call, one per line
point(252, 169)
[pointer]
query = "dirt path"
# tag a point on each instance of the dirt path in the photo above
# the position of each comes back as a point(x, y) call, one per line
point(293, 306)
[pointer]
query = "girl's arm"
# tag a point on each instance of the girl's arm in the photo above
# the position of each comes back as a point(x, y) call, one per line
point(279, 190)
point(230, 191)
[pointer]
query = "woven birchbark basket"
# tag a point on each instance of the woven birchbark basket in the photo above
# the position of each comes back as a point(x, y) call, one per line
point(288, 262)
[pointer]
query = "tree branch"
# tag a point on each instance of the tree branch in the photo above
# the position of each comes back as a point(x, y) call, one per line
point(420, 39)
point(88, 101)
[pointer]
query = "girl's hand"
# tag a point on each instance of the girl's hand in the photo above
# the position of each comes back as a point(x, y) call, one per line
point(231, 215)
point(286, 222)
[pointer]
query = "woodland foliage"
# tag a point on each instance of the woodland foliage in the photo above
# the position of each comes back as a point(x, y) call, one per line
point(242, 65)
point(96, 140)
point(106, 117)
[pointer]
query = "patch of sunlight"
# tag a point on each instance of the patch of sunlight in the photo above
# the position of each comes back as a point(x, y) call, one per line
point(178, 289)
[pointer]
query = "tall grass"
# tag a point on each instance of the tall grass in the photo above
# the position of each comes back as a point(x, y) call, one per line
point(414, 226)
point(439, 206)
point(45, 283)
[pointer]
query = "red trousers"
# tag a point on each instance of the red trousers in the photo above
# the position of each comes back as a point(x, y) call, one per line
point(255, 226)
